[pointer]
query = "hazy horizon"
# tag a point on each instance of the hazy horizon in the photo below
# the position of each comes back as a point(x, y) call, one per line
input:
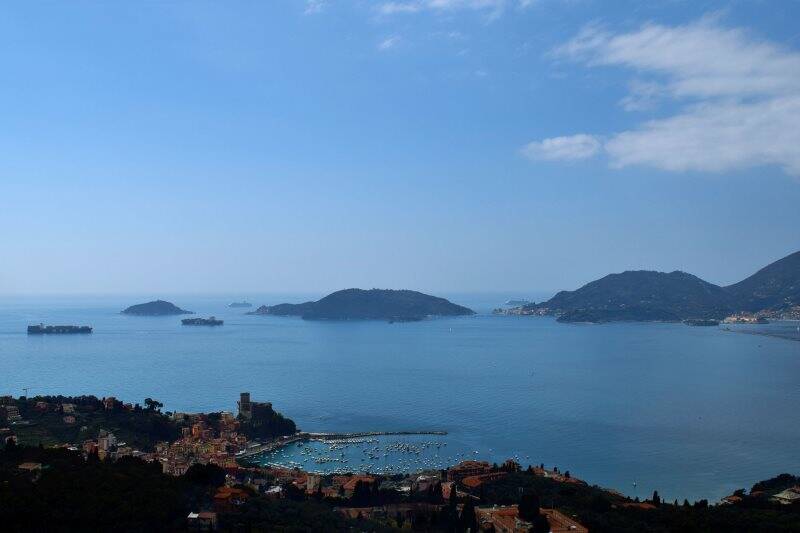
point(449, 146)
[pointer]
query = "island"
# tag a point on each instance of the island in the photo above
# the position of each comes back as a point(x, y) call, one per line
point(373, 304)
point(650, 296)
point(211, 321)
point(240, 304)
point(156, 308)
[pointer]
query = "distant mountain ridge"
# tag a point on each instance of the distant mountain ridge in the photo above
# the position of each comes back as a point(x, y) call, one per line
point(643, 295)
point(774, 287)
point(373, 304)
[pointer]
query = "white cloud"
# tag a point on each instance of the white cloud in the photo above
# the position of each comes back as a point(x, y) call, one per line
point(716, 137)
point(315, 6)
point(389, 42)
point(738, 98)
point(568, 148)
point(643, 95)
point(495, 7)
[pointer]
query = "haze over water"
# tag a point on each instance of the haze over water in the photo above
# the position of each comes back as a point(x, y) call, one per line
point(691, 412)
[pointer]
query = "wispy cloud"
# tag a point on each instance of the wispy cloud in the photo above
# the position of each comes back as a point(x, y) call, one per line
point(494, 7)
point(738, 97)
point(568, 148)
point(315, 6)
point(389, 42)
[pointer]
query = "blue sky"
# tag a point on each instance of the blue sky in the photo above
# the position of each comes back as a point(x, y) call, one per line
point(441, 145)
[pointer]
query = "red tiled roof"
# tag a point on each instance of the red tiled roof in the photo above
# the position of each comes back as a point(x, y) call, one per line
point(350, 484)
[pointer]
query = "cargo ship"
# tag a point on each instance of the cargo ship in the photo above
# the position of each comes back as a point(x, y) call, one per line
point(240, 304)
point(41, 329)
point(213, 321)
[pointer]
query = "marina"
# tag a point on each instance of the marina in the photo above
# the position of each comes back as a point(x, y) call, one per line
point(385, 453)
point(366, 452)
point(499, 385)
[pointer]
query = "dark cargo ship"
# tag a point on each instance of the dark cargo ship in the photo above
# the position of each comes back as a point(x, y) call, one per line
point(213, 321)
point(41, 329)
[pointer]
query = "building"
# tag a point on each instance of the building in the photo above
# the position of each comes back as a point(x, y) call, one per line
point(313, 483)
point(506, 519)
point(227, 499)
point(11, 413)
point(474, 482)
point(106, 441)
point(560, 523)
point(466, 469)
point(203, 521)
point(788, 496)
point(34, 470)
point(245, 409)
point(349, 486)
point(249, 410)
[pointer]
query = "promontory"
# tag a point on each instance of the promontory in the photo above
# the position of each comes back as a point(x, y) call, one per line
point(156, 308)
point(373, 304)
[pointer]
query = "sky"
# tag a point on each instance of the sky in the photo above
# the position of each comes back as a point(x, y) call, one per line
point(437, 145)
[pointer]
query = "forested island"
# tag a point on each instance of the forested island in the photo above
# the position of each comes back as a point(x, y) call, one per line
point(156, 308)
point(642, 295)
point(374, 304)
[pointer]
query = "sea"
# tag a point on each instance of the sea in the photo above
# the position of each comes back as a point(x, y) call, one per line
point(693, 412)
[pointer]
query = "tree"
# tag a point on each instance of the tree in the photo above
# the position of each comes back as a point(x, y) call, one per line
point(153, 405)
point(210, 474)
point(541, 524)
point(468, 520)
point(453, 496)
point(437, 494)
point(529, 505)
point(656, 498)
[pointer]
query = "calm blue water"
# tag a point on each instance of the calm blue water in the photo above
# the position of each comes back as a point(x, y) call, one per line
point(692, 412)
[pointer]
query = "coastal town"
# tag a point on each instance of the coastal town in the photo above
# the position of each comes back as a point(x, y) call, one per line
point(474, 494)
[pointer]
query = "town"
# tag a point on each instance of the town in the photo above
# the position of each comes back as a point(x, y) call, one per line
point(471, 495)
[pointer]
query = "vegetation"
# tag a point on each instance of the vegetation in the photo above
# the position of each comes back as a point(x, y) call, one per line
point(630, 314)
point(774, 287)
point(156, 308)
point(602, 511)
point(657, 296)
point(76, 494)
point(374, 304)
point(48, 424)
point(266, 423)
point(643, 295)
